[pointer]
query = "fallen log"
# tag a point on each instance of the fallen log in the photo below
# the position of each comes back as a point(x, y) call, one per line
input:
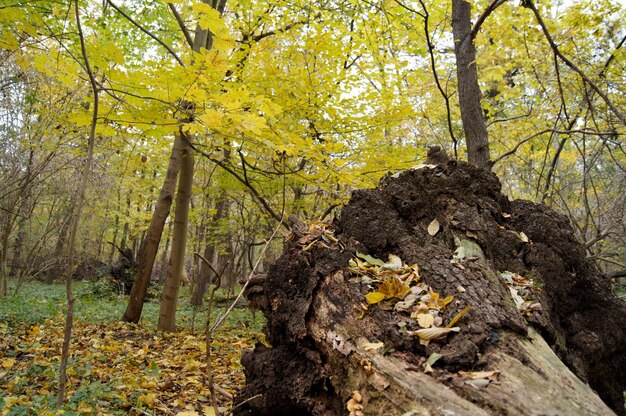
point(435, 295)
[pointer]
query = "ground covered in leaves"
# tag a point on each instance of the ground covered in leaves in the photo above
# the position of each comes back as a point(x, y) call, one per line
point(117, 368)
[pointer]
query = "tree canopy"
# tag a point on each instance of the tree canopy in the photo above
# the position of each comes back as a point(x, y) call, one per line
point(295, 103)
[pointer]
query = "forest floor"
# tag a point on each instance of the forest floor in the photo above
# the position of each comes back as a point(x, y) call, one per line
point(115, 368)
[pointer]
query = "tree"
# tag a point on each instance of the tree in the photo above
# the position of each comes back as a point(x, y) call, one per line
point(468, 89)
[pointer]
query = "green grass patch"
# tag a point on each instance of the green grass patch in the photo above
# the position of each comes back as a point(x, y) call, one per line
point(96, 302)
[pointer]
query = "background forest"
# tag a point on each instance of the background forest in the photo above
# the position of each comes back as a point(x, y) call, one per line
point(180, 127)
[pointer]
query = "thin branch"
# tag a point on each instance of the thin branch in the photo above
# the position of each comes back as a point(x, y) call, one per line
point(612, 57)
point(241, 179)
point(555, 131)
point(181, 24)
point(147, 32)
point(530, 4)
point(599, 237)
point(445, 96)
point(328, 211)
point(208, 263)
point(407, 8)
point(256, 396)
point(221, 319)
point(604, 259)
point(481, 19)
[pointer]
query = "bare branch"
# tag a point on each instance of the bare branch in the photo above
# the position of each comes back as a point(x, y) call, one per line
point(181, 24)
point(530, 4)
point(241, 179)
point(555, 131)
point(481, 19)
point(221, 319)
point(147, 32)
point(445, 96)
point(612, 57)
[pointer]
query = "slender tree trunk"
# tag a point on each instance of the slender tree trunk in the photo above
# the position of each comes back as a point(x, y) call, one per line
point(164, 258)
point(204, 275)
point(24, 214)
point(150, 245)
point(167, 314)
point(59, 249)
point(115, 230)
point(78, 208)
point(4, 276)
point(469, 91)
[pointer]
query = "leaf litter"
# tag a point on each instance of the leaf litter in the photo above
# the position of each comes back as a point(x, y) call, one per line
point(118, 368)
point(396, 286)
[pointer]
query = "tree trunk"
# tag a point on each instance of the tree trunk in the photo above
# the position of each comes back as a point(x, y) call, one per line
point(167, 314)
point(164, 259)
point(469, 91)
point(150, 245)
point(4, 249)
point(205, 273)
point(331, 351)
point(24, 214)
point(75, 221)
point(202, 39)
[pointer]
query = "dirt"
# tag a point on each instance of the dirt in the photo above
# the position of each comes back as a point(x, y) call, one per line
point(579, 316)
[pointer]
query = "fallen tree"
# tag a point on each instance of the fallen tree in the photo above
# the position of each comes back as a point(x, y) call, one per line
point(435, 295)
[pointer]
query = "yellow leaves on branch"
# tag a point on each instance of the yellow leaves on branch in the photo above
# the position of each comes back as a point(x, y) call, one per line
point(210, 19)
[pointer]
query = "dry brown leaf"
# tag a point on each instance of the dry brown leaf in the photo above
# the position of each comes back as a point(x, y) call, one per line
point(433, 227)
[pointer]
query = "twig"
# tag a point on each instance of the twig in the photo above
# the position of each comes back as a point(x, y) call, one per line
point(259, 198)
point(555, 131)
point(221, 319)
point(433, 67)
point(223, 392)
point(147, 32)
point(181, 23)
point(140, 411)
point(245, 401)
point(530, 4)
point(481, 19)
point(208, 333)
point(256, 265)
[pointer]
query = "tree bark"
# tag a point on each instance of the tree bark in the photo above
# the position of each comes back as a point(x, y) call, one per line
point(150, 245)
point(468, 88)
point(167, 314)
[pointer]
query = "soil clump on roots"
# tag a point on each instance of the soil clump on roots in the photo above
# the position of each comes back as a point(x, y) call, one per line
point(515, 268)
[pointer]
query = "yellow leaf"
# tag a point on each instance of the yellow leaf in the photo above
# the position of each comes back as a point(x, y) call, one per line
point(373, 346)
point(393, 287)
point(208, 411)
point(147, 399)
point(523, 237)
point(212, 118)
point(374, 297)
point(479, 374)
point(425, 320)
point(458, 316)
point(7, 362)
point(189, 413)
point(425, 335)
point(209, 18)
